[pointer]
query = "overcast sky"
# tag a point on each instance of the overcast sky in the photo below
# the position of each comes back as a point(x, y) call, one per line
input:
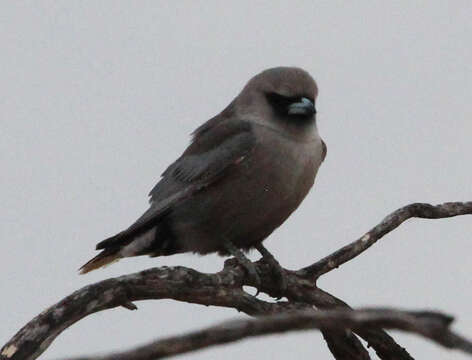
point(98, 97)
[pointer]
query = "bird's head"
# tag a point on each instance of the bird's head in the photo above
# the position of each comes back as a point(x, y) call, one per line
point(281, 94)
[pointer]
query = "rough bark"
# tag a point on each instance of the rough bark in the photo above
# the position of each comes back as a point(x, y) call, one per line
point(431, 325)
point(225, 289)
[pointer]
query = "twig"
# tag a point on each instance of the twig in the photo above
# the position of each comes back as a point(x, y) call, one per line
point(390, 223)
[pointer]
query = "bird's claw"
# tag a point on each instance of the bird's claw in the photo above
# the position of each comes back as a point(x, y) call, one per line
point(279, 272)
point(245, 263)
point(254, 276)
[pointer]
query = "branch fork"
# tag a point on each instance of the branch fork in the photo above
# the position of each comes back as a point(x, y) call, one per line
point(307, 306)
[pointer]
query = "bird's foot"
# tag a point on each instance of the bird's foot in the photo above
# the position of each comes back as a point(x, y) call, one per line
point(277, 270)
point(246, 264)
point(281, 276)
point(252, 272)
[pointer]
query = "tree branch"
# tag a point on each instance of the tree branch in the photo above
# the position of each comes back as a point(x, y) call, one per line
point(388, 224)
point(178, 283)
point(385, 347)
point(225, 289)
point(431, 325)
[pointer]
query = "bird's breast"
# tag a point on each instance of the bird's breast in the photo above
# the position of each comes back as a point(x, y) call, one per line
point(284, 166)
point(254, 198)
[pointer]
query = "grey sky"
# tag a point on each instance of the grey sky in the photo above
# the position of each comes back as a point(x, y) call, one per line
point(97, 98)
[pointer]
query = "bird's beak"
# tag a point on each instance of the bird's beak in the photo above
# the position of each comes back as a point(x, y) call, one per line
point(304, 107)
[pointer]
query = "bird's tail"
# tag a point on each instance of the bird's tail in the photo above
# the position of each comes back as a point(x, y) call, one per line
point(106, 257)
point(123, 245)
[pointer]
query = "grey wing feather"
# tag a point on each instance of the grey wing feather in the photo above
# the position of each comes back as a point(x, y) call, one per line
point(208, 165)
point(207, 157)
point(204, 162)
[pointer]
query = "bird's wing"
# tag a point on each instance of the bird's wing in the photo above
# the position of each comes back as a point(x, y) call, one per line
point(215, 148)
point(211, 152)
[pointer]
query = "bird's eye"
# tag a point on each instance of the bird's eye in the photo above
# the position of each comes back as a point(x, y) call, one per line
point(298, 106)
point(281, 101)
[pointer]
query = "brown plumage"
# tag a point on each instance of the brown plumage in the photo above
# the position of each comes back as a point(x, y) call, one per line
point(246, 170)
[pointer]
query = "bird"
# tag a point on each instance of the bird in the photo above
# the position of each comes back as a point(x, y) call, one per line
point(244, 173)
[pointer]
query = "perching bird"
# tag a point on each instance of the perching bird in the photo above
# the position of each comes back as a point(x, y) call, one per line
point(245, 171)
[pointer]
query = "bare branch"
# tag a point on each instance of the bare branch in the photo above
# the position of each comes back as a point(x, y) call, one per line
point(431, 325)
point(390, 223)
point(182, 284)
point(225, 289)
point(178, 283)
point(385, 347)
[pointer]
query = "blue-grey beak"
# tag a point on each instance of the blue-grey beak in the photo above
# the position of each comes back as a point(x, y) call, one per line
point(304, 107)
